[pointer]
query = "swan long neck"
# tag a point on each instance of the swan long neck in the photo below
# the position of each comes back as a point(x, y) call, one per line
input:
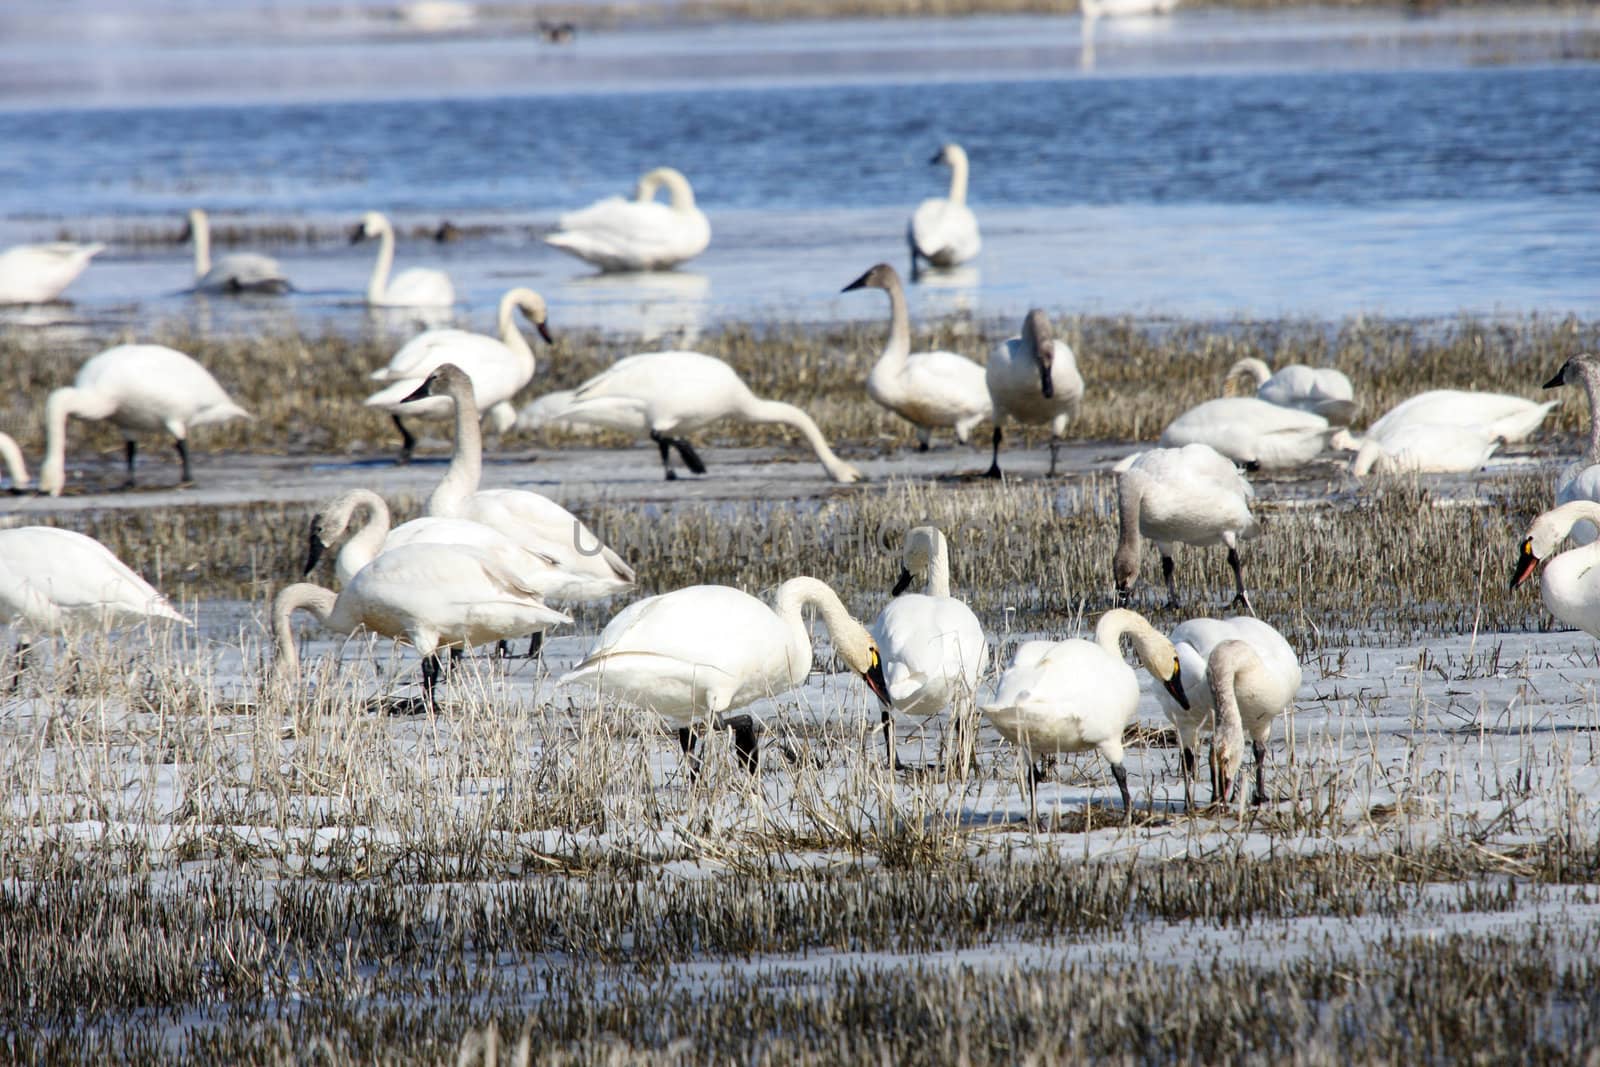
point(1370, 457)
point(200, 233)
point(1570, 514)
point(290, 599)
point(1257, 369)
point(898, 348)
point(1129, 499)
point(367, 541)
point(756, 409)
point(1591, 389)
point(378, 284)
point(1149, 644)
point(958, 175)
point(1223, 667)
point(793, 596)
point(506, 323)
point(678, 188)
point(16, 466)
point(466, 461)
point(63, 402)
point(938, 579)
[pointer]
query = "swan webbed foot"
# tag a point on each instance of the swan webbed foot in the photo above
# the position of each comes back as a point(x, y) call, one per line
point(993, 472)
point(672, 475)
point(1240, 602)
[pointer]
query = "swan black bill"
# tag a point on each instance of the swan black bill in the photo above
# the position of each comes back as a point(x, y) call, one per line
point(902, 583)
point(358, 233)
point(1174, 685)
point(876, 682)
point(419, 393)
point(1047, 384)
point(938, 157)
point(314, 548)
point(544, 331)
point(859, 283)
point(1526, 562)
point(1559, 380)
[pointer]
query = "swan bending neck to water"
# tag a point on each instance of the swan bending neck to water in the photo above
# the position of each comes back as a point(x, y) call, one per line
point(1242, 686)
point(36, 274)
point(237, 272)
point(414, 287)
point(16, 466)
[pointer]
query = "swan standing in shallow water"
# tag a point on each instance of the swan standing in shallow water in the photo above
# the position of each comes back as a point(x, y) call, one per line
point(430, 596)
point(667, 395)
point(932, 644)
point(16, 466)
point(698, 653)
point(1072, 696)
point(1251, 432)
point(139, 388)
point(1267, 685)
point(928, 389)
point(1034, 379)
point(236, 272)
point(1320, 390)
point(639, 234)
point(1570, 583)
point(498, 368)
point(1192, 494)
point(1581, 480)
point(943, 231)
point(36, 274)
point(420, 287)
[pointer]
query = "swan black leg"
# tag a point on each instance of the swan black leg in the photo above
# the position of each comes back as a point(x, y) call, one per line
point(535, 643)
point(744, 742)
point(664, 443)
point(1239, 598)
point(888, 741)
point(432, 668)
point(408, 441)
point(686, 743)
point(916, 265)
point(1167, 570)
point(19, 664)
point(1035, 776)
point(187, 478)
point(130, 449)
point(691, 458)
point(1055, 451)
point(1120, 773)
point(994, 460)
point(1260, 752)
point(1188, 779)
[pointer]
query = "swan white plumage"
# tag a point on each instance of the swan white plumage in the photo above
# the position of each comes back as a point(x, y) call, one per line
point(1422, 448)
point(534, 522)
point(1034, 379)
point(932, 644)
point(1263, 690)
point(1102, 9)
point(236, 272)
point(697, 653)
point(431, 596)
point(60, 582)
point(36, 274)
point(943, 230)
point(1252, 432)
point(1192, 494)
point(1581, 480)
point(668, 395)
point(927, 389)
point(413, 287)
point(139, 388)
point(1512, 418)
point(16, 466)
point(639, 234)
point(1076, 695)
point(1570, 583)
point(498, 368)
point(1320, 390)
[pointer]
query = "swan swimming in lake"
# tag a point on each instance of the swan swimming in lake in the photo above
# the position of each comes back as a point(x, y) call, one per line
point(1034, 379)
point(639, 234)
point(420, 287)
point(236, 272)
point(943, 231)
point(36, 274)
point(139, 388)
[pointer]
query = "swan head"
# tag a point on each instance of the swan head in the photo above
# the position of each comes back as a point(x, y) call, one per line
point(1342, 440)
point(1125, 571)
point(924, 546)
point(447, 379)
point(1576, 371)
point(1037, 333)
point(854, 644)
point(949, 153)
point(372, 224)
point(1546, 535)
point(330, 524)
point(533, 308)
point(193, 224)
point(881, 276)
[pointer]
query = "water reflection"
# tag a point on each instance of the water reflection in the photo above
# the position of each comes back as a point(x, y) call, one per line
point(656, 305)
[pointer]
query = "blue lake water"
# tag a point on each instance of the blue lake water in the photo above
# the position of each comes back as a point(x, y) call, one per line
point(1182, 192)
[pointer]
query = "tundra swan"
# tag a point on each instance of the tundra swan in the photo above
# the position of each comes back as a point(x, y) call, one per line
point(1581, 480)
point(1570, 583)
point(669, 395)
point(237, 272)
point(1423, 448)
point(639, 234)
point(430, 596)
point(928, 389)
point(498, 368)
point(1271, 681)
point(1102, 9)
point(1251, 432)
point(534, 522)
point(701, 652)
point(1508, 417)
point(1034, 379)
point(16, 466)
point(1248, 695)
point(415, 287)
point(140, 388)
point(1071, 696)
point(932, 644)
point(1320, 390)
point(1192, 494)
point(58, 582)
point(36, 274)
point(943, 231)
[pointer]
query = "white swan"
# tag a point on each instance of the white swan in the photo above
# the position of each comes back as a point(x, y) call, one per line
point(430, 596)
point(16, 466)
point(534, 522)
point(237, 272)
point(139, 388)
point(1248, 695)
point(928, 389)
point(1269, 682)
point(1034, 379)
point(1103, 9)
point(498, 368)
point(36, 274)
point(1581, 480)
point(700, 652)
point(668, 395)
point(1422, 448)
point(1192, 494)
point(60, 582)
point(414, 287)
point(1320, 390)
point(1570, 583)
point(639, 234)
point(932, 644)
point(1071, 696)
point(1511, 418)
point(1252, 432)
point(943, 231)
